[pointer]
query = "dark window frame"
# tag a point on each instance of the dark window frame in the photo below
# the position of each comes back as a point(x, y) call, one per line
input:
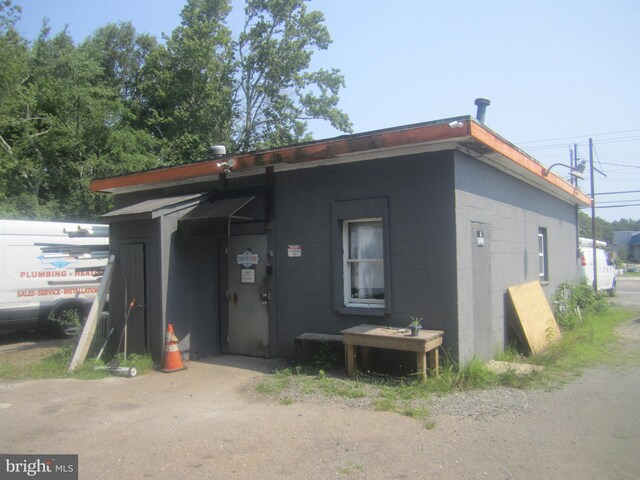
point(349, 210)
point(543, 254)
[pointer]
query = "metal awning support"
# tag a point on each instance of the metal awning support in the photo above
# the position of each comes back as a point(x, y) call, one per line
point(154, 208)
point(216, 212)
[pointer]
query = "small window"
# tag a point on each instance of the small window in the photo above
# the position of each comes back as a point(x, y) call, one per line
point(361, 257)
point(363, 248)
point(543, 262)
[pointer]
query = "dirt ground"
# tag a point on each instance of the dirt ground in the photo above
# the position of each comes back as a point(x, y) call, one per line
point(208, 422)
point(28, 347)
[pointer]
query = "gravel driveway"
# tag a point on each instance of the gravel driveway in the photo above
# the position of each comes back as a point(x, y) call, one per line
point(207, 423)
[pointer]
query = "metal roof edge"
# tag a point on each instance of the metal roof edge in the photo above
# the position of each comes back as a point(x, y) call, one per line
point(292, 154)
point(465, 131)
point(498, 144)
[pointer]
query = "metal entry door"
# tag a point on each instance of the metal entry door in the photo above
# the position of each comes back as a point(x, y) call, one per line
point(247, 296)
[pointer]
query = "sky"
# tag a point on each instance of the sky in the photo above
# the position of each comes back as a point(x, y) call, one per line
point(557, 72)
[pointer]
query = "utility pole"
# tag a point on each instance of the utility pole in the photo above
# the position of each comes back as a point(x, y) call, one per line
point(593, 218)
point(574, 180)
point(575, 162)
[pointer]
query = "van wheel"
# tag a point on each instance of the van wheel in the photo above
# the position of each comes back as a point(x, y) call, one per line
point(67, 321)
point(612, 290)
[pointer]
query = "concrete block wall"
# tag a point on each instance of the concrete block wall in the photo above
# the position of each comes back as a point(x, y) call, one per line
point(420, 195)
point(513, 211)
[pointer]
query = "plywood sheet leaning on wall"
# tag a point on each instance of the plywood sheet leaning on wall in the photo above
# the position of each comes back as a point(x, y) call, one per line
point(537, 323)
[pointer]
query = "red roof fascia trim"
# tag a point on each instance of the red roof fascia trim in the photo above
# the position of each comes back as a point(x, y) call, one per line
point(497, 144)
point(156, 176)
point(290, 155)
point(353, 144)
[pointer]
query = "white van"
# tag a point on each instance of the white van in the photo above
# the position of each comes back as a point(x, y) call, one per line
point(606, 271)
point(48, 267)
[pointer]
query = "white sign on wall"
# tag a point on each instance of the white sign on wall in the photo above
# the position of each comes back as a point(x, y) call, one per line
point(248, 275)
point(294, 251)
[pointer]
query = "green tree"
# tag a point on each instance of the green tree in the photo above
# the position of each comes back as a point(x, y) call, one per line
point(69, 127)
point(626, 224)
point(188, 83)
point(14, 102)
point(276, 91)
point(73, 112)
point(121, 102)
point(605, 229)
point(122, 54)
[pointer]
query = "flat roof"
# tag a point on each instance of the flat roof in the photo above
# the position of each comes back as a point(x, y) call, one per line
point(458, 133)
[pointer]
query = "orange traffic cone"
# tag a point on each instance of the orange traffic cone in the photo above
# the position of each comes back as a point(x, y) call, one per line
point(172, 358)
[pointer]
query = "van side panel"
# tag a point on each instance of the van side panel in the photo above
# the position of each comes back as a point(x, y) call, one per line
point(32, 282)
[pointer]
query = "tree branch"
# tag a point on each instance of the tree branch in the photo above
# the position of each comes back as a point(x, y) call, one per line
point(6, 146)
point(39, 134)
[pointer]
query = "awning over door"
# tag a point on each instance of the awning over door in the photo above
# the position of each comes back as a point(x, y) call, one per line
point(213, 217)
point(150, 209)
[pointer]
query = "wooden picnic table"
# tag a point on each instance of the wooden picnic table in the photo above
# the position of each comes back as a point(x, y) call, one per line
point(367, 336)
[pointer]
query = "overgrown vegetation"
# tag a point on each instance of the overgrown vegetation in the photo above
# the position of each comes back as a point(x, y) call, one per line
point(588, 339)
point(605, 229)
point(123, 101)
point(56, 365)
point(571, 300)
point(68, 322)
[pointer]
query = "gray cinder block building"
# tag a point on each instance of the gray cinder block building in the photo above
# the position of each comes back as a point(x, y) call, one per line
point(243, 253)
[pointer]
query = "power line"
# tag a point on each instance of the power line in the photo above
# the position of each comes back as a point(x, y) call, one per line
point(608, 202)
point(620, 165)
point(618, 206)
point(617, 193)
point(580, 136)
point(618, 140)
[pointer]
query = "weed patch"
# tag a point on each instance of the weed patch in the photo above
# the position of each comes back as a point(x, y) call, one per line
point(586, 343)
point(56, 365)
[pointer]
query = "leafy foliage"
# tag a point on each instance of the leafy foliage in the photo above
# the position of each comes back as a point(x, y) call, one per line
point(604, 229)
point(276, 90)
point(122, 101)
point(67, 126)
point(571, 301)
point(189, 84)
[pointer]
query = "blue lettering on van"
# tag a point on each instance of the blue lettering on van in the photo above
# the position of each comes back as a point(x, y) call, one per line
point(58, 262)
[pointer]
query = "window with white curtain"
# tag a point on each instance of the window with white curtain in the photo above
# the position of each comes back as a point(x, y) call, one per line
point(363, 247)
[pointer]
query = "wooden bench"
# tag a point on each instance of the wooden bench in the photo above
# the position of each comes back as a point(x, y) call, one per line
point(300, 341)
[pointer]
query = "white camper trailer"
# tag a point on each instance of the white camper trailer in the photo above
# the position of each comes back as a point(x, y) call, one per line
point(606, 271)
point(48, 268)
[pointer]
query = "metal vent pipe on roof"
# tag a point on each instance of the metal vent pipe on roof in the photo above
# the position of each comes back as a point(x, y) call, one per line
point(482, 104)
point(217, 151)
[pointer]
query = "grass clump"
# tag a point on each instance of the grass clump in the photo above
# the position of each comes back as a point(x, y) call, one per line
point(275, 383)
point(56, 365)
point(307, 382)
point(588, 338)
point(593, 342)
point(351, 469)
